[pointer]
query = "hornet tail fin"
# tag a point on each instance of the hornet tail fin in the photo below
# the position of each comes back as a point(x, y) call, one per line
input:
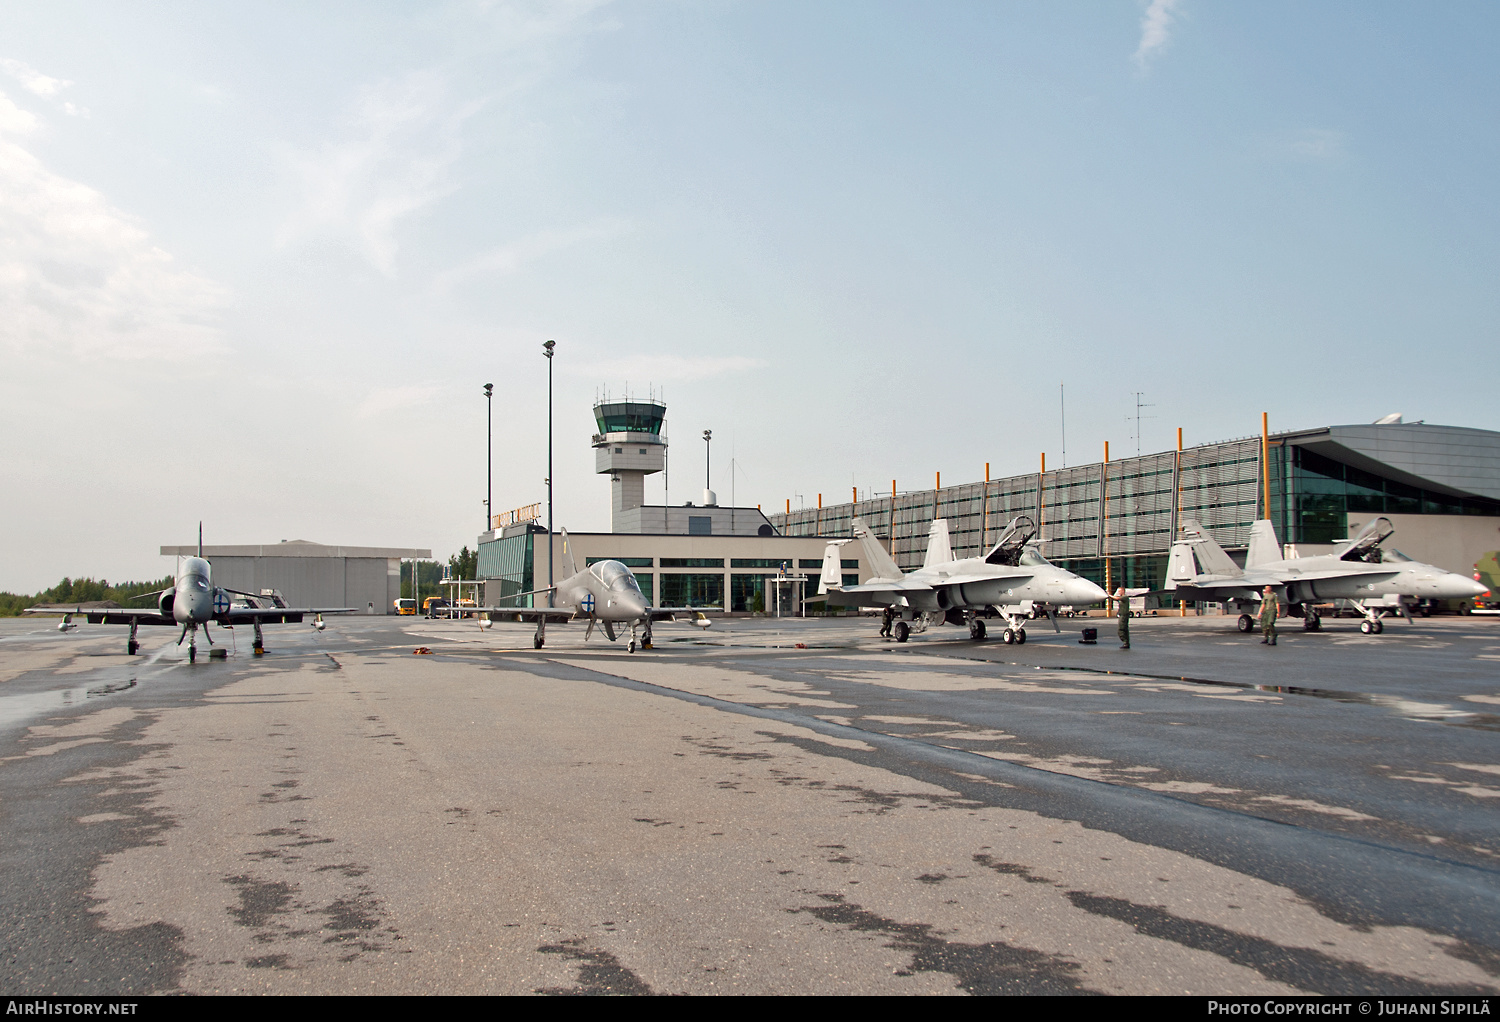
point(1263, 546)
point(569, 566)
point(939, 546)
point(1180, 566)
point(831, 577)
point(876, 556)
point(1212, 556)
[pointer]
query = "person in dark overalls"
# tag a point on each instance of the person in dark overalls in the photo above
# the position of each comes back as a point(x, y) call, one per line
point(1122, 612)
point(885, 622)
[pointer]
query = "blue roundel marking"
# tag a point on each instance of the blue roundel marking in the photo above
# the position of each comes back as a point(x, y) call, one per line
point(221, 602)
point(588, 603)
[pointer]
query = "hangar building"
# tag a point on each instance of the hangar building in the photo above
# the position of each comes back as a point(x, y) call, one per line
point(311, 574)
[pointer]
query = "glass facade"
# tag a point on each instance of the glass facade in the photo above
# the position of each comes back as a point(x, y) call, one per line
point(683, 590)
point(1322, 492)
point(507, 566)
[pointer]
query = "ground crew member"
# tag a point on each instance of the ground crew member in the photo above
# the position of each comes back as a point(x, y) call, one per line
point(1268, 611)
point(885, 622)
point(1122, 611)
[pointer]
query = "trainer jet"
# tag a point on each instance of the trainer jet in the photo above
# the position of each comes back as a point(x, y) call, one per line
point(1357, 571)
point(1010, 579)
point(192, 602)
point(605, 592)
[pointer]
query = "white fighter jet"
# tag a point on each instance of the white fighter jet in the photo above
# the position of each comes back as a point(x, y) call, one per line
point(1010, 579)
point(1359, 571)
point(192, 602)
point(605, 593)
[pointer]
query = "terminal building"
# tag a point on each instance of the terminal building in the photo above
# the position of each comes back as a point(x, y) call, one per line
point(1113, 521)
point(697, 554)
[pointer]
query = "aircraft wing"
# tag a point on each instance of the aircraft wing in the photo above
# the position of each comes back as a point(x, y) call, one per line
point(109, 615)
point(874, 594)
point(270, 615)
point(670, 613)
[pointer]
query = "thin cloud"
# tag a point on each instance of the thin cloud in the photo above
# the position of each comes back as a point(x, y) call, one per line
point(1317, 145)
point(384, 400)
point(667, 368)
point(32, 80)
point(404, 138)
point(1156, 31)
point(79, 277)
point(508, 259)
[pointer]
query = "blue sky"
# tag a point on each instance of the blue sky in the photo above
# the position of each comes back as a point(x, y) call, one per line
point(257, 260)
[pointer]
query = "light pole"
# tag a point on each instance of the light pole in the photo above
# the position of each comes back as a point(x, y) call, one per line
point(489, 457)
point(547, 347)
point(708, 448)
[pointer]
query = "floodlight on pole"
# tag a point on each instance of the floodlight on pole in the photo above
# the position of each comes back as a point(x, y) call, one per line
point(489, 457)
point(547, 347)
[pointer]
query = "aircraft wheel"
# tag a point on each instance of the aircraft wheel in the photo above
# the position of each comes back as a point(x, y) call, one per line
point(976, 630)
point(630, 646)
point(536, 642)
point(1366, 627)
point(1020, 636)
point(1379, 627)
point(1312, 623)
point(1008, 636)
point(1246, 624)
point(131, 647)
point(903, 631)
point(192, 654)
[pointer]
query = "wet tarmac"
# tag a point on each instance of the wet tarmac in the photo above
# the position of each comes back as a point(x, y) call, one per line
point(765, 807)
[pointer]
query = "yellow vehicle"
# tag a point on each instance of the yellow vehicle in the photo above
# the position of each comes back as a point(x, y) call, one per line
point(405, 606)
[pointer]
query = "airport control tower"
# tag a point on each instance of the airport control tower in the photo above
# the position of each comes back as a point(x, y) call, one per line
point(628, 447)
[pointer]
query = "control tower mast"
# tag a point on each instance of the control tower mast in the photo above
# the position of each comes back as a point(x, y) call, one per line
point(628, 448)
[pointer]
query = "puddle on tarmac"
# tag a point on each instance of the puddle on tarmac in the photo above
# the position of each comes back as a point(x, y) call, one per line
point(16, 709)
point(1432, 712)
point(19, 708)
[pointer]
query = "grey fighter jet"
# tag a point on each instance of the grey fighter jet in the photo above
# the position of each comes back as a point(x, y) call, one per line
point(1358, 571)
point(1010, 579)
point(192, 602)
point(605, 593)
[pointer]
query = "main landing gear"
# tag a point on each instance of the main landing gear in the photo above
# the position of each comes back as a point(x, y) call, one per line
point(1311, 622)
point(902, 631)
point(540, 638)
point(131, 645)
point(1246, 624)
point(1372, 625)
point(976, 628)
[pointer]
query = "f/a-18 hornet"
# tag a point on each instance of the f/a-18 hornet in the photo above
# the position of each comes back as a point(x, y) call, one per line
point(1009, 580)
point(192, 602)
point(1359, 571)
point(605, 592)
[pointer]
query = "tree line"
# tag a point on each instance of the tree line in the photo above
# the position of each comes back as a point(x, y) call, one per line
point(81, 590)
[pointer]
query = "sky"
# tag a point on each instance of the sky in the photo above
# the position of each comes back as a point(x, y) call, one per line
point(257, 260)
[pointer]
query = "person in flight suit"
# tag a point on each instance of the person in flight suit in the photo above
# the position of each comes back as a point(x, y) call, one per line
point(1268, 611)
point(1122, 611)
point(885, 622)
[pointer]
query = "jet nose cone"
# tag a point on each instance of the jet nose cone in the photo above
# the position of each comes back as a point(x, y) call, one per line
point(1470, 587)
point(1082, 591)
